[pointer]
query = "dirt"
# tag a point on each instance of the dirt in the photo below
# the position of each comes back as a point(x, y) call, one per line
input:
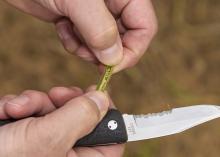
point(180, 68)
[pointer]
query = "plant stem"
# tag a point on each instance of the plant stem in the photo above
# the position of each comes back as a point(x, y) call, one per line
point(105, 79)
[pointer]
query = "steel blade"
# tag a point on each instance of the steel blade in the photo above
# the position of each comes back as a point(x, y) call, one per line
point(140, 127)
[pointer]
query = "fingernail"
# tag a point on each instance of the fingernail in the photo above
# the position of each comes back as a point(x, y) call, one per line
point(112, 55)
point(19, 101)
point(64, 30)
point(100, 99)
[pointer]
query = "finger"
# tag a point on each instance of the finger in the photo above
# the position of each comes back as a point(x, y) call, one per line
point(75, 119)
point(116, 7)
point(102, 151)
point(3, 101)
point(98, 28)
point(109, 151)
point(134, 14)
point(86, 54)
point(34, 8)
point(65, 32)
point(139, 25)
point(72, 41)
point(91, 88)
point(61, 95)
point(130, 59)
point(72, 153)
point(101, 68)
point(29, 103)
point(111, 103)
point(85, 152)
point(121, 28)
point(78, 34)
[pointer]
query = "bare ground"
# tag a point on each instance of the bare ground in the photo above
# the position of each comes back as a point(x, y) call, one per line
point(181, 68)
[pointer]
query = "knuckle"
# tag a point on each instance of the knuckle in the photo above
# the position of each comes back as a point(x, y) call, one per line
point(104, 39)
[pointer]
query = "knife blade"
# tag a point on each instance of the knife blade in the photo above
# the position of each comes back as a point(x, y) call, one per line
point(168, 122)
point(116, 128)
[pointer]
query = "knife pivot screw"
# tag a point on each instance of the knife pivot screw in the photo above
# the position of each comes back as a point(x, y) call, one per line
point(112, 125)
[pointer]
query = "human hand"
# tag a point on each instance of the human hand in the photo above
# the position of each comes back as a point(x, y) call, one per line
point(111, 32)
point(61, 118)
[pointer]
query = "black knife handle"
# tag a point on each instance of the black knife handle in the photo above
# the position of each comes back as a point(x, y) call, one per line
point(111, 130)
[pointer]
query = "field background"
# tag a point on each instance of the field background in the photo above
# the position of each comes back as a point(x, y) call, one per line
point(182, 67)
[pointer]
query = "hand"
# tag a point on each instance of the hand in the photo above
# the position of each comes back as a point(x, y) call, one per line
point(61, 118)
point(112, 32)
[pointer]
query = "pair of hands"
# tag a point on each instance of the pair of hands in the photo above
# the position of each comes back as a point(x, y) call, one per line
point(105, 32)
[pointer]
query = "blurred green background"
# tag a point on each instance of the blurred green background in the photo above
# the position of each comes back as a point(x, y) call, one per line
point(180, 68)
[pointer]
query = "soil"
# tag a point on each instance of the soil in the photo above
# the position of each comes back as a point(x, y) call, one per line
point(180, 68)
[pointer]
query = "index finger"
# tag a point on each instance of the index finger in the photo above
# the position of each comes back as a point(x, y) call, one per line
point(138, 25)
point(101, 151)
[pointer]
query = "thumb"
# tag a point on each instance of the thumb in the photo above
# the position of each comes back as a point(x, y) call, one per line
point(97, 26)
point(75, 119)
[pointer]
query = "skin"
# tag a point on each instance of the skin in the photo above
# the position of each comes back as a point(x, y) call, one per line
point(56, 124)
point(111, 32)
point(105, 32)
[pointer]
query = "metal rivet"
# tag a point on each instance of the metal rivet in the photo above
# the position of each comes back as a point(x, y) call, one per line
point(112, 125)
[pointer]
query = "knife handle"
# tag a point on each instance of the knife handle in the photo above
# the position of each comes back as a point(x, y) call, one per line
point(111, 130)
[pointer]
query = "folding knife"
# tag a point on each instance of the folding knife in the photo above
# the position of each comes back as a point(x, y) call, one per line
point(116, 128)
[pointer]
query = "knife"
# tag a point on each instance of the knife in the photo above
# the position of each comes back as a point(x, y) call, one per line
point(116, 128)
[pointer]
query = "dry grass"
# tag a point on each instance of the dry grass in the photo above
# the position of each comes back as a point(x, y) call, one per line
point(181, 68)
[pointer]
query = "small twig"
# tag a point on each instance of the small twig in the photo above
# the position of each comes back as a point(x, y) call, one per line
point(105, 79)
